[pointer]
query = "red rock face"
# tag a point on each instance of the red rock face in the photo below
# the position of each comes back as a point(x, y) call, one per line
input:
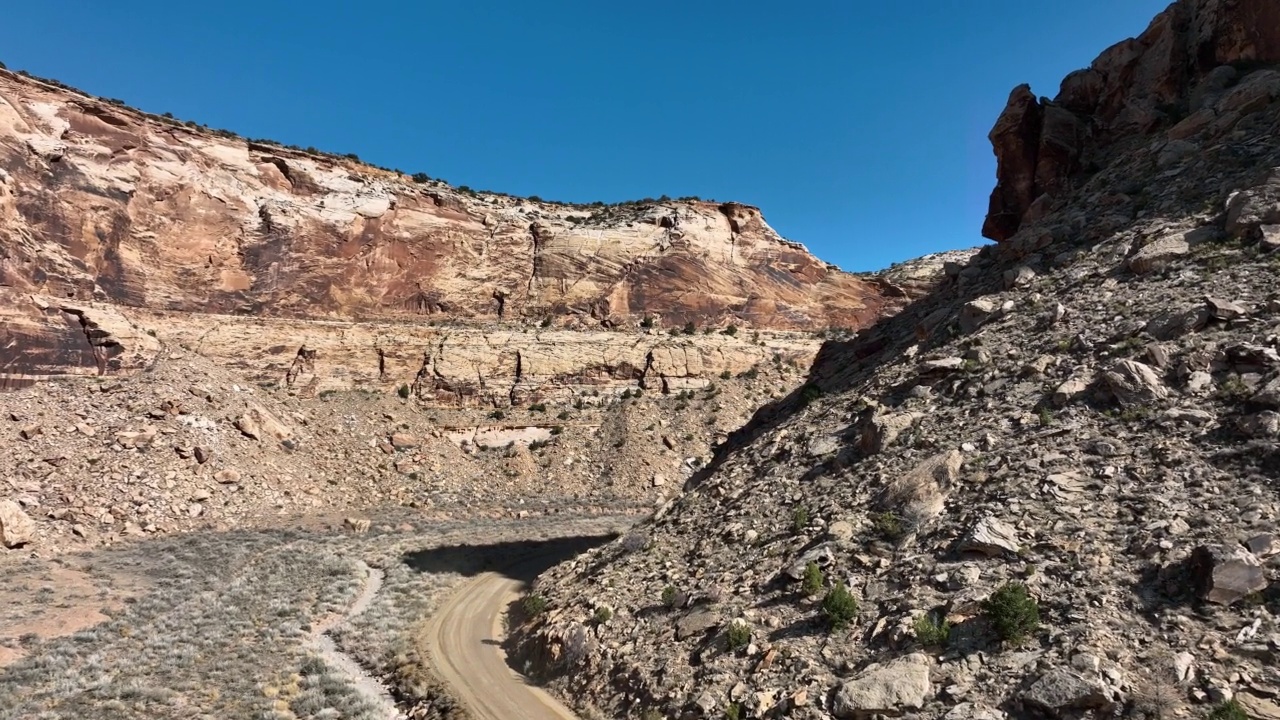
point(102, 203)
point(1181, 64)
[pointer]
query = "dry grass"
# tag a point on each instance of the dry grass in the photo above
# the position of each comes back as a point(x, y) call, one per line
point(224, 629)
point(225, 621)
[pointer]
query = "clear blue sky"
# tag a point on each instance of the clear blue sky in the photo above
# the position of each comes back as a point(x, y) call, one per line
point(858, 127)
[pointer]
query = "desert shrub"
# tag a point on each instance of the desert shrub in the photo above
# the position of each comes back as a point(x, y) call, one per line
point(603, 614)
point(809, 393)
point(1157, 698)
point(564, 415)
point(646, 322)
point(497, 415)
point(557, 430)
point(738, 636)
point(534, 605)
point(839, 607)
point(1229, 710)
point(931, 631)
point(538, 407)
point(888, 525)
point(731, 330)
point(726, 375)
point(421, 177)
point(1233, 390)
point(799, 519)
point(1135, 413)
point(813, 580)
point(1012, 612)
point(669, 596)
point(690, 328)
point(403, 392)
point(733, 711)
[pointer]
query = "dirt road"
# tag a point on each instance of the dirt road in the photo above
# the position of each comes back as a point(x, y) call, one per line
point(463, 640)
point(370, 687)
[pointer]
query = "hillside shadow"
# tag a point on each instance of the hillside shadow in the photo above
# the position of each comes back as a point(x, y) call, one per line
point(844, 364)
point(521, 560)
point(929, 322)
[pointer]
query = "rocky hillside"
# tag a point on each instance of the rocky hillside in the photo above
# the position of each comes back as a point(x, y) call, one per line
point(1049, 488)
point(139, 213)
point(189, 444)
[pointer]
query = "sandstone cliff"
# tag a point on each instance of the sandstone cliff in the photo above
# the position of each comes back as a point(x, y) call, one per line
point(1182, 80)
point(100, 203)
point(1047, 489)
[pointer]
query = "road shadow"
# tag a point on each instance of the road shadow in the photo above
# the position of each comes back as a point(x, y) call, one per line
point(521, 560)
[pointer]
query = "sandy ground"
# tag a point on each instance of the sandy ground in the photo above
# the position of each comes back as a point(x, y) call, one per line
point(44, 600)
point(464, 640)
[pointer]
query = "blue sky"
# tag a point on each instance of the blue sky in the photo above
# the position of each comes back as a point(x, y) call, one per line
point(859, 128)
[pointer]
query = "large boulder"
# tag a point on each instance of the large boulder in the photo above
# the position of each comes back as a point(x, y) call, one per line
point(259, 424)
point(919, 493)
point(991, 537)
point(696, 623)
point(1224, 574)
point(1158, 255)
point(885, 689)
point(1250, 209)
point(1268, 395)
point(1133, 383)
point(1070, 391)
point(1060, 692)
point(1264, 425)
point(880, 431)
point(16, 527)
point(977, 313)
point(1258, 707)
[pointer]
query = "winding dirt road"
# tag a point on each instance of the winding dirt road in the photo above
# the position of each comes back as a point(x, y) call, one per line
point(464, 636)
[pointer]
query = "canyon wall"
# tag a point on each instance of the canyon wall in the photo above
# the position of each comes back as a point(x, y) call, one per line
point(107, 207)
